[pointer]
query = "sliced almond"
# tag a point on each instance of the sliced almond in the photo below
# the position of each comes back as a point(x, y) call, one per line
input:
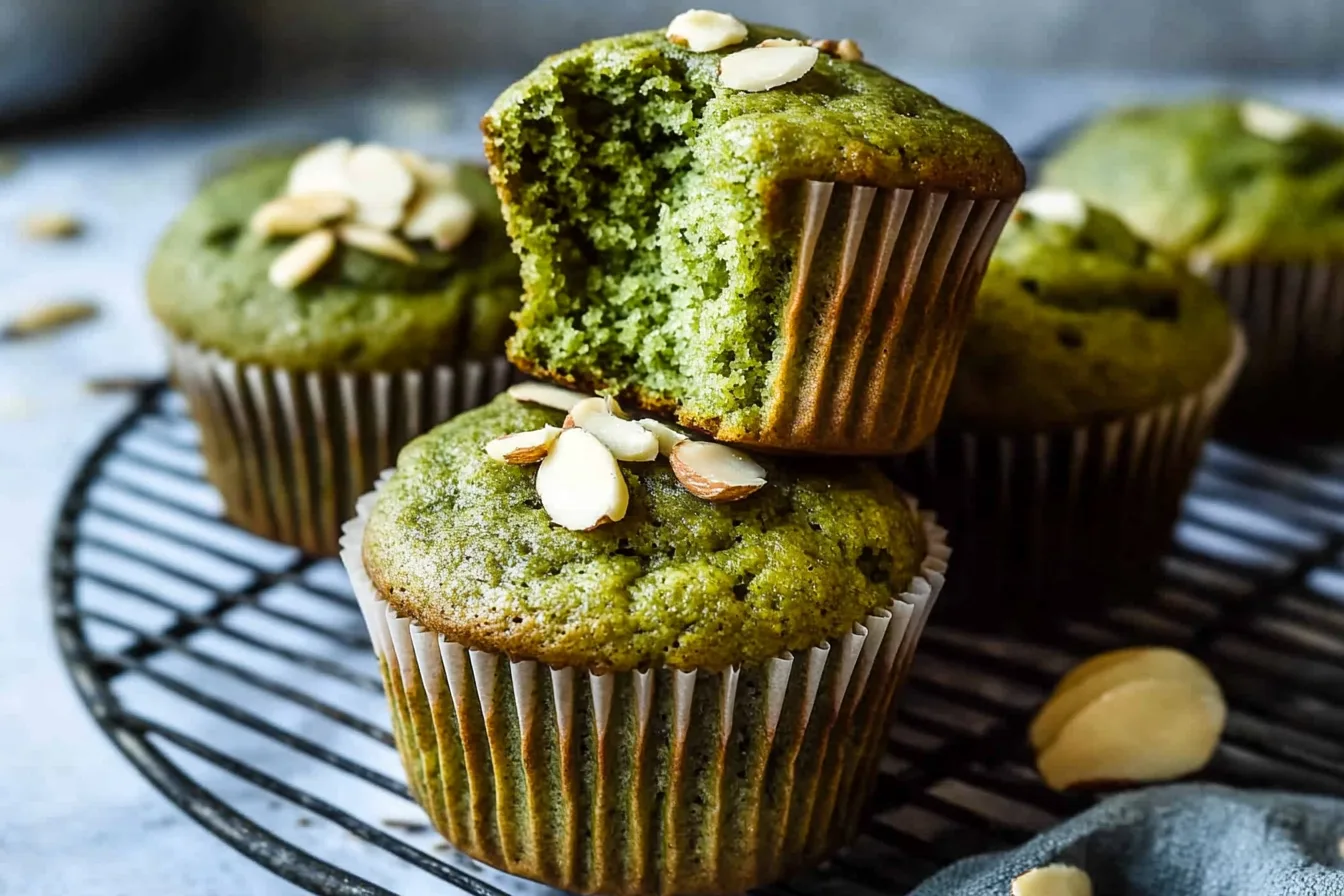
point(580, 483)
point(1142, 731)
point(844, 49)
point(715, 472)
point(523, 447)
point(668, 437)
point(304, 258)
point(379, 181)
point(781, 42)
point(444, 218)
point(764, 68)
point(51, 226)
point(376, 242)
point(47, 318)
point(1271, 122)
point(434, 176)
point(321, 169)
point(1053, 880)
point(625, 439)
point(1056, 205)
point(546, 395)
point(703, 30)
point(1074, 693)
point(594, 404)
point(296, 215)
point(380, 217)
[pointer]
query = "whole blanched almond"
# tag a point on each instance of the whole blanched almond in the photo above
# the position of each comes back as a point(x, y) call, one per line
point(523, 447)
point(1145, 730)
point(545, 395)
point(376, 242)
point(703, 30)
point(667, 436)
point(1076, 692)
point(1097, 663)
point(625, 439)
point(321, 170)
point(715, 472)
point(580, 483)
point(765, 68)
point(1053, 880)
point(444, 218)
point(302, 259)
point(296, 215)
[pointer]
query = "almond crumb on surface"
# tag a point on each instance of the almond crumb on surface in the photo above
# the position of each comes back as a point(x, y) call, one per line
point(51, 225)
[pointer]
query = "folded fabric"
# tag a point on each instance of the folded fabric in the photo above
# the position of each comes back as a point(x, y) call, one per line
point(1178, 840)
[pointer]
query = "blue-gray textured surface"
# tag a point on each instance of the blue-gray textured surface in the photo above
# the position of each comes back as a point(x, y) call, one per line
point(1183, 840)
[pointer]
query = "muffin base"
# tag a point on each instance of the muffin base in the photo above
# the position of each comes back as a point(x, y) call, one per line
point(1067, 520)
point(676, 783)
point(290, 451)
point(1294, 320)
point(881, 291)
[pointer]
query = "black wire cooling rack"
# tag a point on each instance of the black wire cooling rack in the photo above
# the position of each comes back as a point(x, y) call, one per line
point(235, 674)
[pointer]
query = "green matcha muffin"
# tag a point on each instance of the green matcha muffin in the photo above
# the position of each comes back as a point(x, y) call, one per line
point(1089, 378)
point(688, 697)
point(321, 311)
point(1252, 196)
point(772, 244)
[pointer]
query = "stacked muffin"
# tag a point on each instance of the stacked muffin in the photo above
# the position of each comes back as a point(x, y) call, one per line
point(623, 655)
point(1252, 196)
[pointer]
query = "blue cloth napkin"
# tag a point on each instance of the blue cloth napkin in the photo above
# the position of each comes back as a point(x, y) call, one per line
point(1178, 840)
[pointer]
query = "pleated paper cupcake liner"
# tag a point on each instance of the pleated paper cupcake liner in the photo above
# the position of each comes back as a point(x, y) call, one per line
point(1294, 320)
point(291, 451)
point(646, 782)
point(881, 294)
point(1068, 520)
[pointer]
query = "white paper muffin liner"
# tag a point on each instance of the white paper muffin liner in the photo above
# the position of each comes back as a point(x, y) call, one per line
point(881, 292)
point(645, 782)
point(1066, 519)
point(1293, 315)
point(290, 451)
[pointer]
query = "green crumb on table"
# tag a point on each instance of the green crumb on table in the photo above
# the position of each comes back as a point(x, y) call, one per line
point(655, 210)
point(1205, 179)
point(461, 544)
point(1076, 324)
point(208, 284)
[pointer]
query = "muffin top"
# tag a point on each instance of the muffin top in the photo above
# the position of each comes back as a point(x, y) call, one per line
point(1222, 180)
point(461, 543)
point(209, 283)
point(1079, 320)
point(844, 120)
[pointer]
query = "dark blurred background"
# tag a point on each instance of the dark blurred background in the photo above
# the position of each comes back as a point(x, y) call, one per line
point(92, 55)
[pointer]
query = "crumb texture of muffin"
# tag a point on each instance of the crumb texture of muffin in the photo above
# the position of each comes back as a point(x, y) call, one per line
point(657, 213)
point(461, 544)
point(208, 284)
point(1224, 180)
point(1079, 322)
